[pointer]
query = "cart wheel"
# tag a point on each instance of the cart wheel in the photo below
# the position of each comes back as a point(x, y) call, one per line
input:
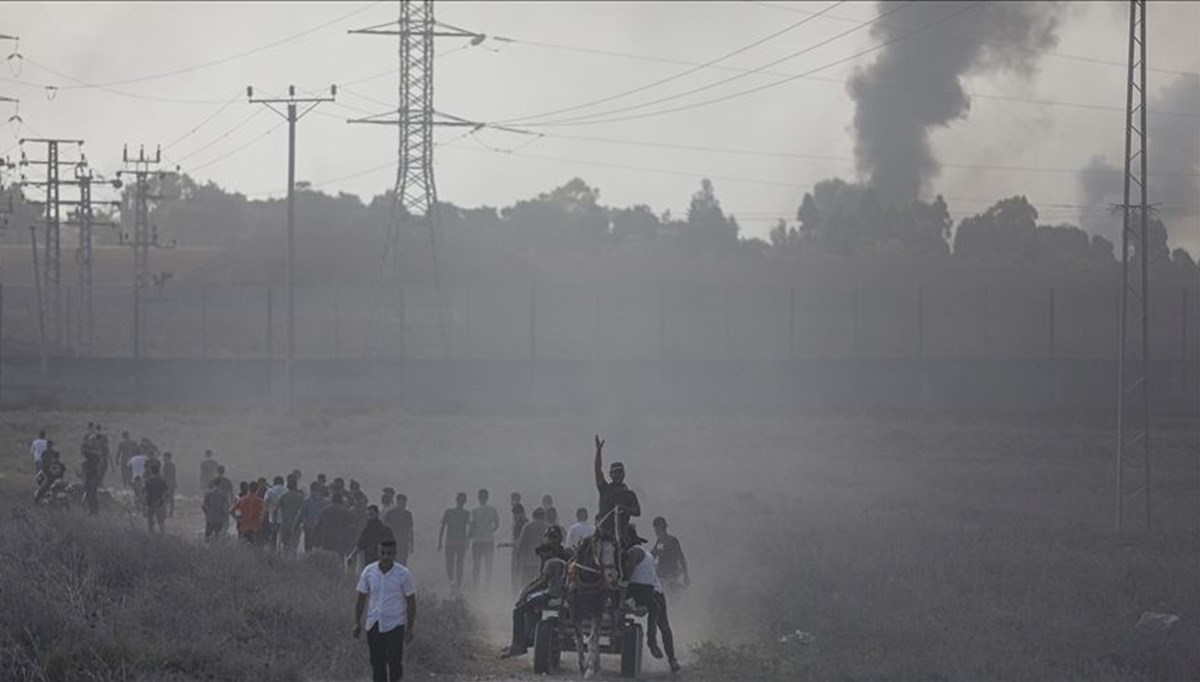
point(544, 655)
point(631, 651)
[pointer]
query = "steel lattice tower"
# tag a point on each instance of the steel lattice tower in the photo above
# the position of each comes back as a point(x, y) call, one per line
point(415, 191)
point(1133, 362)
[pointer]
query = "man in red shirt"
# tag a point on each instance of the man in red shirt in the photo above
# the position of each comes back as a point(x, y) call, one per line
point(249, 512)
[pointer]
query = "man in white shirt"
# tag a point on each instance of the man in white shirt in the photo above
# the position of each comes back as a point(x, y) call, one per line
point(137, 466)
point(37, 447)
point(272, 520)
point(387, 595)
point(646, 590)
point(579, 530)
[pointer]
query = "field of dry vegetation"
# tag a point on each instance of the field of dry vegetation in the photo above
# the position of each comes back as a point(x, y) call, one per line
point(899, 549)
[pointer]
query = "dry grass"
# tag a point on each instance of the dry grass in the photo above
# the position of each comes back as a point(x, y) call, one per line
point(94, 600)
point(909, 549)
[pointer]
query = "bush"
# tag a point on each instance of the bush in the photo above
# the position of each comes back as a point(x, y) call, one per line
point(90, 599)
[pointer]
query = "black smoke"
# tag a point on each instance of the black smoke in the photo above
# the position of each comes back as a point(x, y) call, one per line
point(1173, 161)
point(915, 84)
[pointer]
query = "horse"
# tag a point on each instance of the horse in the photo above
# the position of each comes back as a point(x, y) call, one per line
point(592, 591)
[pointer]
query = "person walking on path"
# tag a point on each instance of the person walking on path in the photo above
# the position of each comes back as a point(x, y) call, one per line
point(169, 475)
point(400, 520)
point(485, 521)
point(454, 531)
point(216, 511)
point(388, 597)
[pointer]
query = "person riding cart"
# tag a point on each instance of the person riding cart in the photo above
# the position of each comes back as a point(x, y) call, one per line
point(551, 584)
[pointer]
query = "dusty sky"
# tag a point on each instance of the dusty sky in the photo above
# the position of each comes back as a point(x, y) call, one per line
point(107, 43)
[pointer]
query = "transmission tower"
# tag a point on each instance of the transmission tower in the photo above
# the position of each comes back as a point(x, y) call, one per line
point(1133, 362)
point(145, 237)
point(52, 226)
point(414, 203)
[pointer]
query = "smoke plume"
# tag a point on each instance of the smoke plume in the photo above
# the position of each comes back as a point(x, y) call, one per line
point(1173, 160)
point(915, 83)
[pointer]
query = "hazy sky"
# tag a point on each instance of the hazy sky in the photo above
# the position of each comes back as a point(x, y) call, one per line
point(107, 43)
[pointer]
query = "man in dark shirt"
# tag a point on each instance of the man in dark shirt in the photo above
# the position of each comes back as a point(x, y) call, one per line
point(208, 470)
point(168, 474)
point(93, 472)
point(373, 533)
point(617, 501)
point(400, 520)
point(216, 511)
point(454, 531)
point(670, 565)
point(154, 492)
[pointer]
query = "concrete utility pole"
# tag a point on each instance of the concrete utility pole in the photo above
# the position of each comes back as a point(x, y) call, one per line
point(52, 224)
point(290, 247)
point(144, 237)
point(415, 193)
point(1133, 361)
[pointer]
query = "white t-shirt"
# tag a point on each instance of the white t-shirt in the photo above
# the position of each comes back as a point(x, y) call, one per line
point(272, 500)
point(137, 465)
point(387, 591)
point(577, 533)
point(37, 447)
point(644, 573)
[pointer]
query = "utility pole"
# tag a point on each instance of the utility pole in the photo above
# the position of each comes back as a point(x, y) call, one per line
point(52, 226)
point(289, 344)
point(85, 219)
point(144, 236)
point(415, 193)
point(1133, 360)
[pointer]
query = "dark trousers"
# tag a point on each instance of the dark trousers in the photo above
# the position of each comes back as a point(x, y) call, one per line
point(455, 554)
point(171, 502)
point(213, 529)
point(91, 496)
point(482, 554)
point(387, 653)
point(656, 615)
point(524, 620)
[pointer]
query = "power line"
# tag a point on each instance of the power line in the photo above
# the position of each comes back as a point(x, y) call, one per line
point(206, 120)
point(893, 10)
point(965, 37)
point(682, 74)
point(833, 81)
point(222, 136)
point(825, 157)
point(238, 149)
point(80, 84)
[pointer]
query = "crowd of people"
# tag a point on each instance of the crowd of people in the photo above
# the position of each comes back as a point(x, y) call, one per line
point(336, 515)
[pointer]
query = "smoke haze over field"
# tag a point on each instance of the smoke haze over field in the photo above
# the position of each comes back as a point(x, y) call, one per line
point(1174, 156)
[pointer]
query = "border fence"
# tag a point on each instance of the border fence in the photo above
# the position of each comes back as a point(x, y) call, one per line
point(705, 345)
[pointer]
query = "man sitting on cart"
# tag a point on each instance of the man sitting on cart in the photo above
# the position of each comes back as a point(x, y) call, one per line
point(550, 584)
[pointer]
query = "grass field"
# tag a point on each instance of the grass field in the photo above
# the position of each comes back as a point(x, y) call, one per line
point(905, 549)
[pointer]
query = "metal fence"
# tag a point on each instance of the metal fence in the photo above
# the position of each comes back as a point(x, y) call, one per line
point(613, 322)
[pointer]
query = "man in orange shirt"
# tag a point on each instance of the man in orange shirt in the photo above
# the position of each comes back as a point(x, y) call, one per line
point(249, 512)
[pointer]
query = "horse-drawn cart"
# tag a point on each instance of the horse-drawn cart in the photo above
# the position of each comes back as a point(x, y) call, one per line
point(619, 631)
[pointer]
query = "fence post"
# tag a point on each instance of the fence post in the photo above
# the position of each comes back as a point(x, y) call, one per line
point(857, 349)
point(204, 320)
point(1051, 326)
point(920, 322)
point(987, 323)
point(662, 323)
point(1184, 369)
point(335, 322)
point(792, 325)
point(402, 369)
point(270, 350)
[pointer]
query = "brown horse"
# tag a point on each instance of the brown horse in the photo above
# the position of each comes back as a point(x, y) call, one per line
point(592, 593)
